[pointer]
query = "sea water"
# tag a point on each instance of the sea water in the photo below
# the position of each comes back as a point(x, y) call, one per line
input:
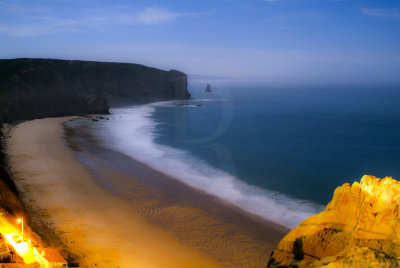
point(275, 152)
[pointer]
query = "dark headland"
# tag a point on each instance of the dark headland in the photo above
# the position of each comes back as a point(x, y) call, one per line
point(35, 88)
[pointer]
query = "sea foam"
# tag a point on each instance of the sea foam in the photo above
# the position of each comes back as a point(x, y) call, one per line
point(133, 132)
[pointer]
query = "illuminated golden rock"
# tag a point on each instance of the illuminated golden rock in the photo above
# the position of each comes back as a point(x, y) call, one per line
point(360, 227)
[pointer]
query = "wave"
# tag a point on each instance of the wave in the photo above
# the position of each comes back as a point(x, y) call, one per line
point(133, 132)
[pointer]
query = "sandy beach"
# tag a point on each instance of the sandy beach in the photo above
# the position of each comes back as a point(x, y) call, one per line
point(124, 221)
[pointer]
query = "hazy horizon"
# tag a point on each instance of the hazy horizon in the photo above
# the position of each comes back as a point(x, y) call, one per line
point(265, 41)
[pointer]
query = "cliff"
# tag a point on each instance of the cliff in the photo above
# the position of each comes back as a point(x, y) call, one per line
point(36, 88)
point(360, 227)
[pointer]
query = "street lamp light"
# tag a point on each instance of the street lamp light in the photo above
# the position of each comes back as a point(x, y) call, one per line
point(21, 220)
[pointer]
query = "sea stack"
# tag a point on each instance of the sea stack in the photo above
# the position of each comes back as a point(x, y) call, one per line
point(208, 88)
point(360, 227)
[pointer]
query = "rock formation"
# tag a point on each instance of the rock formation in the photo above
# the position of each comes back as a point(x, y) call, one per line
point(360, 227)
point(34, 88)
point(208, 88)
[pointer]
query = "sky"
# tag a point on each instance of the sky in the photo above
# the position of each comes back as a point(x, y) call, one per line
point(270, 41)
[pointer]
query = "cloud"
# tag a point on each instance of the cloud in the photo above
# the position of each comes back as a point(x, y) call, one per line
point(24, 31)
point(42, 21)
point(381, 12)
point(157, 16)
point(153, 15)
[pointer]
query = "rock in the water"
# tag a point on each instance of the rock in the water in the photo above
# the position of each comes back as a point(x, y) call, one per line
point(360, 227)
point(208, 88)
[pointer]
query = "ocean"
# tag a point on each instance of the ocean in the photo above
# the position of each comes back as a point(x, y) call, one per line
point(278, 153)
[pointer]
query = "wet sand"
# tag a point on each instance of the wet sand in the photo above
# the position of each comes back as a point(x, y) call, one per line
point(112, 210)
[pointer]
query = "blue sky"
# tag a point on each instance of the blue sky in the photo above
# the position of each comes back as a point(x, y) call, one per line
point(271, 41)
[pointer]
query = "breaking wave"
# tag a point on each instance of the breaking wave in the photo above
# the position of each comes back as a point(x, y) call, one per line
point(133, 132)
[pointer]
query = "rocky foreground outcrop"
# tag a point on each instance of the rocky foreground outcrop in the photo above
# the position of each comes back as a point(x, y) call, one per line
point(360, 227)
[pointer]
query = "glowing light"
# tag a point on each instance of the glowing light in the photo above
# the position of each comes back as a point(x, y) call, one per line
point(21, 220)
point(23, 248)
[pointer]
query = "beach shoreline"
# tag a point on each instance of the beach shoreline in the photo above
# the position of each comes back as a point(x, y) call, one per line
point(67, 195)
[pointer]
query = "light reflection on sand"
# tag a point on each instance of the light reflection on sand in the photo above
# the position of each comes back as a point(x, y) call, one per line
point(61, 192)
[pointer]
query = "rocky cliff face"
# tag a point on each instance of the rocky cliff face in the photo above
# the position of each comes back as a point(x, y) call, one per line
point(34, 88)
point(360, 227)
